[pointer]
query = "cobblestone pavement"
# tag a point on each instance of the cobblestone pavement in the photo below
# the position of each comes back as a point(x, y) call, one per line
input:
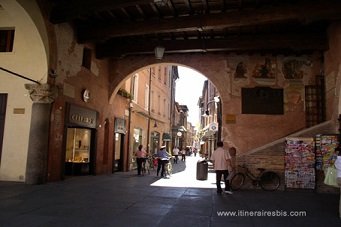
point(125, 199)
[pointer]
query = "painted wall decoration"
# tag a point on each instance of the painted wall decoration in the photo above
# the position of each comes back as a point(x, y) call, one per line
point(292, 68)
point(294, 97)
point(266, 70)
point(240, 71)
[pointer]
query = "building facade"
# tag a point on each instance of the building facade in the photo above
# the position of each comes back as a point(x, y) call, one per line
point(210, 105)
point(149, 110)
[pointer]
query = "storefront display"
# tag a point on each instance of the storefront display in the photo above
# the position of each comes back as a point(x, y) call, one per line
point(77, 156)
point(80, 134)
point(300, 163)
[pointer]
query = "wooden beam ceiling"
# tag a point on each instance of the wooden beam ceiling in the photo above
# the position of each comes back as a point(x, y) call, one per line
point(125, 27)
point(267, 15)
point(68, 10)
point(298, 43)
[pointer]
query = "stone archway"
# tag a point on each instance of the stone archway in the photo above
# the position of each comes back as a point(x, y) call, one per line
point(246, 131)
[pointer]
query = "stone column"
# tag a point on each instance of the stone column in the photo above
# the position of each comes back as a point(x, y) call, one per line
point(37, 156)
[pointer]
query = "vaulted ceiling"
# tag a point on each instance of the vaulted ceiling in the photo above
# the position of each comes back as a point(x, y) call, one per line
point(127, 27)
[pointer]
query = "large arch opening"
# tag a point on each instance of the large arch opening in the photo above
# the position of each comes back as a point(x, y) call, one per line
point(29, 57)
point(145, 96)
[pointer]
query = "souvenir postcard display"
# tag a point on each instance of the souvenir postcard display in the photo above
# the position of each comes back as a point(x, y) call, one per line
point(325, 151)
point(300, 163)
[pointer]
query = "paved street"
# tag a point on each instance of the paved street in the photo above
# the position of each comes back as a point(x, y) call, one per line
point(125, 199)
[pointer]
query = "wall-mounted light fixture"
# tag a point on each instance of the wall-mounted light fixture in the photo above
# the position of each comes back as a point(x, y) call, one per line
point(155, 125)
point(159, 51)
point(216, 99)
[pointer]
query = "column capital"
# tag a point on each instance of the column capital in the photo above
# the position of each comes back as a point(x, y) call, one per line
point(42, 93)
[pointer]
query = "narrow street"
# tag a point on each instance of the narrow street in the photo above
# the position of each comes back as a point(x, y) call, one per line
point(125, 199)
point(184, 175)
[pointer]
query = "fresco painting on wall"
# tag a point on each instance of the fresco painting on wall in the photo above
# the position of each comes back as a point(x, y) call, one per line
point(294, 97)
point(266, 70)
point(240, 71)
point(292, 68)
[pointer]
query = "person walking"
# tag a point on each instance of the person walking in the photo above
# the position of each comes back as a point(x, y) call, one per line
point(176, 154)
point(337, 165)
point(141, 155)
point(221, 160)
point(183, 154)
point(164, 159)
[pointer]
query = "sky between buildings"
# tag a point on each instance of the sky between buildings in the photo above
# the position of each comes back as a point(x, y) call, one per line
point(188, 90)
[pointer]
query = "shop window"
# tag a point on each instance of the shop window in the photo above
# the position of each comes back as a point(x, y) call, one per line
point(159, 73)
point(86, 58)
point(6, 40)
point(78, 145)
point(146, 97)
point(134, 87)
point(165, 79)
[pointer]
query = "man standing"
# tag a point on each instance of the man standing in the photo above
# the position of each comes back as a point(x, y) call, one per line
point(221, 162)
point(176, 154)
point(163, 160)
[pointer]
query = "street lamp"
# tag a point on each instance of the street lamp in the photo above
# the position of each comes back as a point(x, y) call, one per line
point(179, 134)
point(159, 51)
point(216, 99)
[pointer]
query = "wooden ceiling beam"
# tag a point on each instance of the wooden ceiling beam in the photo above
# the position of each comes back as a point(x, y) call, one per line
point(293, 43)
point(303, 12)
point(68, 10)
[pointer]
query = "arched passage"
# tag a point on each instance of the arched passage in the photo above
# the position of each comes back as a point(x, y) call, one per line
point(244, 131)
point(215, 117)
point(30, 59)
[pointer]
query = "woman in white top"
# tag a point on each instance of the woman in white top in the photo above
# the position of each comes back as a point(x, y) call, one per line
point(338, 168)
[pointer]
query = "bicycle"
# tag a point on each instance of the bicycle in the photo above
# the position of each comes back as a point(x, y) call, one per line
point(168, 168)
point(267, 180)
point(146, 166)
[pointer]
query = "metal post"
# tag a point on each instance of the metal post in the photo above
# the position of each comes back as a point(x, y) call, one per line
point(219, 119)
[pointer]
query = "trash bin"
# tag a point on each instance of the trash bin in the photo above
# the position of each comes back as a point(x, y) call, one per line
point(202, 170)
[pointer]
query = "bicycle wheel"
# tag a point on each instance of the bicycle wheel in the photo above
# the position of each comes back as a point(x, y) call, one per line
point(237, 181)
point(269, 181)
point(169, 169)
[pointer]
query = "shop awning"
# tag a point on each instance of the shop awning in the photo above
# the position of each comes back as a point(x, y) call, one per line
point(166, 137)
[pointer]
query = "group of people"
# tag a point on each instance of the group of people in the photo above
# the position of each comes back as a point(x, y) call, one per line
point(223, 162)
point(177, 152)
point(162, 158)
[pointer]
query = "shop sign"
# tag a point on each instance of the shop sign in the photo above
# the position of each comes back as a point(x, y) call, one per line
point(120, 125)
point(166, 137)
point(230, 118)
point(80, 116)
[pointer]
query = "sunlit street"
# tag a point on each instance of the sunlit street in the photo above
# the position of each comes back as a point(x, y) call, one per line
point(185, 175)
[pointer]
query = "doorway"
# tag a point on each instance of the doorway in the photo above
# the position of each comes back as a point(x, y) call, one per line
point(118, 153)
point(3, 104)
